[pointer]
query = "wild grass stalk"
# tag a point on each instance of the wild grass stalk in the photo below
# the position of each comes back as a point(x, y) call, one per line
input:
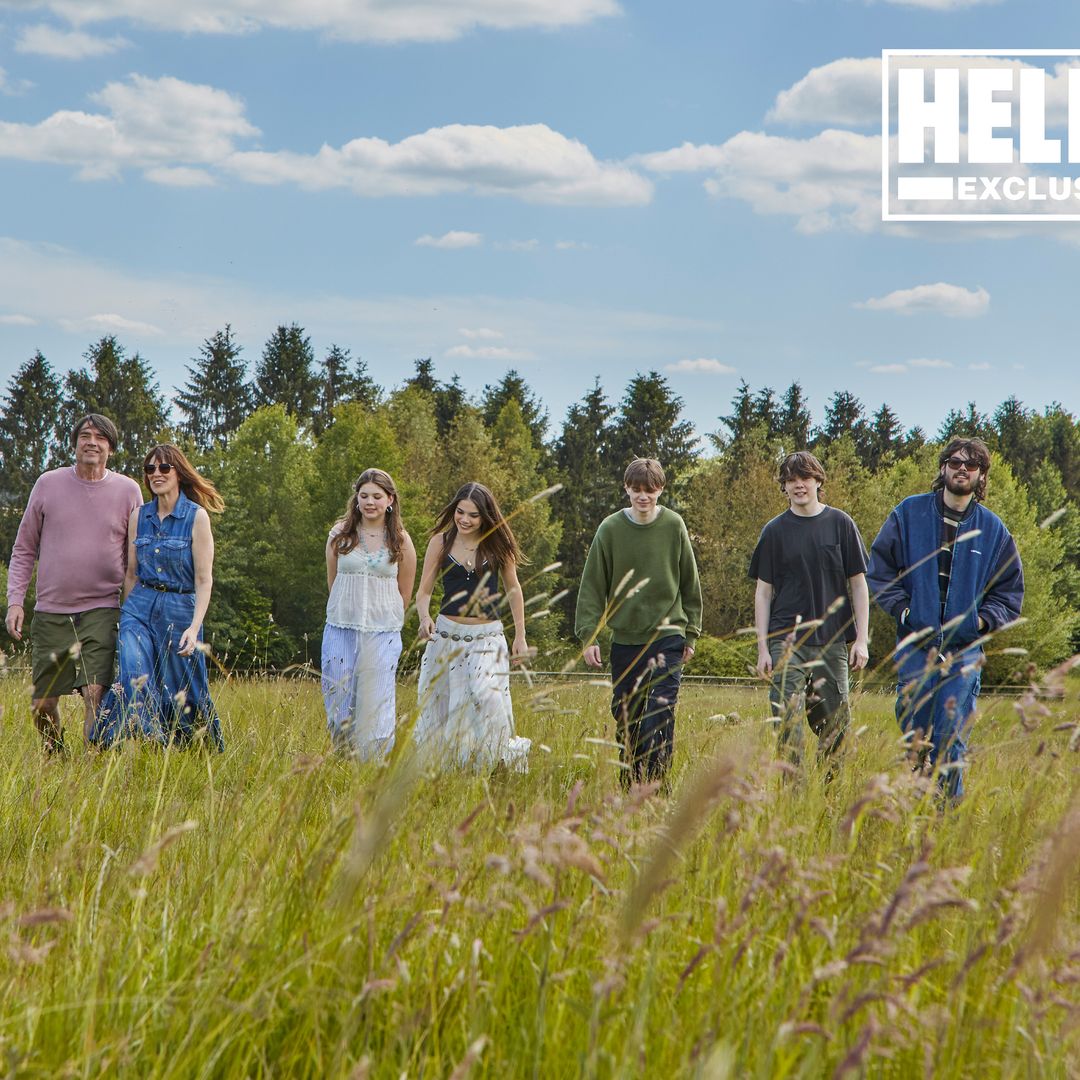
point(278, 911)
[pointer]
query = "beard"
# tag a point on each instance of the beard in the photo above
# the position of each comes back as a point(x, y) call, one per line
point(956, 486)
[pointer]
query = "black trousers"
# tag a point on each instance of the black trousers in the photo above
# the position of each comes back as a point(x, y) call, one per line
point(645, 686)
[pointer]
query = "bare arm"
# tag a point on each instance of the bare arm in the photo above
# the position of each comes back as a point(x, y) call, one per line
point(763, 598)
point(331, 561)
point(860, 602)
point(428, 576)
point(406, 573)
point(202, 553)
point(129, 570)
point(514, 595)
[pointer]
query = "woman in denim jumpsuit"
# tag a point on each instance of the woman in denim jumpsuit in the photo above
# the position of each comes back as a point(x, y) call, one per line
point(164, 694)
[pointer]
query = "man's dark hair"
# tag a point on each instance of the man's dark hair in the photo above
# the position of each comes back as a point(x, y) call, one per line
point(801, 465)
point(102, 423)
point(975, 451)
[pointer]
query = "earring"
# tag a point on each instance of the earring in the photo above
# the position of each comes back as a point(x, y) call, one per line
point(390, 508)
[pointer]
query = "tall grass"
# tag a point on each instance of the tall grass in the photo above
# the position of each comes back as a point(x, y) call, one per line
point(276, 911)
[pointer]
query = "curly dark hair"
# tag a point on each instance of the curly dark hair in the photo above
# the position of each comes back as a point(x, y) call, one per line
point(977, 452)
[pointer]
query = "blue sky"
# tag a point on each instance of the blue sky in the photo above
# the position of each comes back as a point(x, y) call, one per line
point(573, 188)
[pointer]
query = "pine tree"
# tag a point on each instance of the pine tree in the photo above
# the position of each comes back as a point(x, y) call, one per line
point(285, 376)
point(741, 421)
point(450, 402)
point(913, 441)
point(583, 466)
point(843, 416)
point(512, 387)
point(767, 411)
point(216, 399)
point(424, 379)
point(339, 385)
point(795, 419)
point(649, 426)
point(1017, 438)
point(1061, 436)
point(122, 388)
point(883, 440)
point(28, 426)
point(971, 424)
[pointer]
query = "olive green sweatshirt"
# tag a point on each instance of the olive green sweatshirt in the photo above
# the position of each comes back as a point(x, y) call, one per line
point(624, 554)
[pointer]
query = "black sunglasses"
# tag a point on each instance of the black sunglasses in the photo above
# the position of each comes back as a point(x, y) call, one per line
point(162, 467)
point(956, 463)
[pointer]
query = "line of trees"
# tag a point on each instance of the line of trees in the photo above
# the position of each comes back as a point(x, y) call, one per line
point(285, 444)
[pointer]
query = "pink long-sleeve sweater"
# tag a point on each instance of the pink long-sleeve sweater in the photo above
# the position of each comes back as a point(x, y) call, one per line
point(76, 531)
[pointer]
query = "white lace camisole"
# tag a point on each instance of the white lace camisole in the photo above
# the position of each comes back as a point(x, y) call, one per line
point(365, 594)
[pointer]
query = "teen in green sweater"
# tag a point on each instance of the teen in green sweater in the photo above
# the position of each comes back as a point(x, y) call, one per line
point(641, 583)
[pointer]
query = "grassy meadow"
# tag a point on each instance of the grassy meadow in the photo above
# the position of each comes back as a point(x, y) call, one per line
point(276, 911)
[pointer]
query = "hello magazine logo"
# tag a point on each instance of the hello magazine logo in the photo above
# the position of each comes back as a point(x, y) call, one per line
point(980, 135)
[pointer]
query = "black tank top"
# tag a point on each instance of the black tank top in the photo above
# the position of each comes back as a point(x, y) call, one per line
point(467, 592)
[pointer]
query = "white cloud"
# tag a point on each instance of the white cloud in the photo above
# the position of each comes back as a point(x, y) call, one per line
point(180, 176)
point(110, 323)
point(940, 298)
point(902, 368)
point(530, 162)
point(829, 180)
point(147, 123)
point(13, 88)
point(168, 127)
point(486, 352)
point(846, 92)
point(572, 245)
point(480, 333)
point(941, 5)
point(45, 40)
point(17, 320)
point(577, 339)
point(450, 241)
point(982, 365)
point(355, 20)
point(701, 366)
point(518, 245)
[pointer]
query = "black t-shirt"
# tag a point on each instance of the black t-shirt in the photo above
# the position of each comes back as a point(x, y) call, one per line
point(807, 561)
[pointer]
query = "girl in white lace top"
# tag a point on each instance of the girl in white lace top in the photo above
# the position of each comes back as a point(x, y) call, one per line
point(370, 571)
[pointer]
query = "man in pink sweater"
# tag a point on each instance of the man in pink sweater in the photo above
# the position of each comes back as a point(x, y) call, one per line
point(75, 529)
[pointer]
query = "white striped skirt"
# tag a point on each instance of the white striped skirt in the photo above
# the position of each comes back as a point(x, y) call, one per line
point(359, 672)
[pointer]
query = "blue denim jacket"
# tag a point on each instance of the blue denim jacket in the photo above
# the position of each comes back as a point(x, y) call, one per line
point(987, 577)
point(163, 548)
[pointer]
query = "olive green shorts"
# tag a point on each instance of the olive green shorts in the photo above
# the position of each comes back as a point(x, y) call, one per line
point(70, 651)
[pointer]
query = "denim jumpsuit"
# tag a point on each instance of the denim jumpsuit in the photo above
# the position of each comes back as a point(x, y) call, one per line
point(163, 695)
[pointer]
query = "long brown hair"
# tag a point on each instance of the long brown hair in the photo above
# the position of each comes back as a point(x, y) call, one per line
point(349, 525)
point(498, 546)
point(197, 488)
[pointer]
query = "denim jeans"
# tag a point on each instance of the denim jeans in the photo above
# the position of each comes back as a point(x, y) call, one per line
point(162, 695)
point(936, 697)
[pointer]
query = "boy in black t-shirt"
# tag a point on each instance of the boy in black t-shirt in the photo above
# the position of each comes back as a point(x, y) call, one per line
point(809, 631)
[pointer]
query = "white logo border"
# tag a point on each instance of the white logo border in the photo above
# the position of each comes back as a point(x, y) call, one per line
point(985, 219)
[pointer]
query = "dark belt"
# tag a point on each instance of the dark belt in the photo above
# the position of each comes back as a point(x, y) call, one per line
point(166, 588)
